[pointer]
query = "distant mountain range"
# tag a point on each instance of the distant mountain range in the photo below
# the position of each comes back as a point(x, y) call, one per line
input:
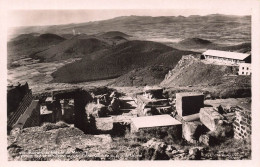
point(126, 51)
point(217, 28)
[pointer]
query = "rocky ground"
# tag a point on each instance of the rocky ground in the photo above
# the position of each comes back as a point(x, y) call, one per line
point(64, 142)
point(157, 150)
point(57, 142)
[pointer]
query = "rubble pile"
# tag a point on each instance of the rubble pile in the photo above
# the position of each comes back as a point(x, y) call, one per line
point(103, 105)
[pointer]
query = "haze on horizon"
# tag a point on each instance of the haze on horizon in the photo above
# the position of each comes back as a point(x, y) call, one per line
point(55, 17)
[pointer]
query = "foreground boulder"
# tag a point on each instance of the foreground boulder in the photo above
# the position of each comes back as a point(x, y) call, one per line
point(210, 118)
point(191, 131)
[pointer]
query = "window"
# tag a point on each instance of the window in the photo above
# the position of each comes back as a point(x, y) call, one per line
point(242, 72)
point(247, 68)
point(242, 68)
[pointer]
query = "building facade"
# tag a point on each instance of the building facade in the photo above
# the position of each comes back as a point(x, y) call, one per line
point(244, 69)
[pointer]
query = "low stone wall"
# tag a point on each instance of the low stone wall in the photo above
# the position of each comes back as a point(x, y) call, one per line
point(242, 125)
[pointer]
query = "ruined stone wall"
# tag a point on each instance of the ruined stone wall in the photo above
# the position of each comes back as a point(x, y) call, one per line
point(242, 125)
point(34, 119)
point(189, 103)
point(15, 94)
point(31, 117)
point(23, 105)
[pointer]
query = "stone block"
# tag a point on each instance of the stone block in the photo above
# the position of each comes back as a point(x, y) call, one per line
point(189, 103)
point(210, 118)
point(192, 130)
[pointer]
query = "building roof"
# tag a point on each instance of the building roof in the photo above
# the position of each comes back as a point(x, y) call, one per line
point(225, 54)
point(154, 121)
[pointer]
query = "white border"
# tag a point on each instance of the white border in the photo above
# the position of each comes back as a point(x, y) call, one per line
point(6, 5)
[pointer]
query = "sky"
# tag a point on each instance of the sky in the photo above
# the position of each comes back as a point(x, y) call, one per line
point(22, 15)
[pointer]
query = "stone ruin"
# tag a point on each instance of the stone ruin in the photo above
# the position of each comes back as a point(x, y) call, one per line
point(210, 118)
point(242, 125)
point(188, 103)
point(152, 102)
point(20, 102)
point(209, 125)
point(104, 105)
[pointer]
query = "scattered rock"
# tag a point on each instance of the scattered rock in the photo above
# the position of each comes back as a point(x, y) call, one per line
point(170, 148)
point(207, 139)
point(195, 154)
point(154, 150)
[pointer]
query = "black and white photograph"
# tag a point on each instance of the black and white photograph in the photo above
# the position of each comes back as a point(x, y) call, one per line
point(131, 84)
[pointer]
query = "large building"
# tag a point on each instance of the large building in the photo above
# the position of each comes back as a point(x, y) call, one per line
point(226, 57)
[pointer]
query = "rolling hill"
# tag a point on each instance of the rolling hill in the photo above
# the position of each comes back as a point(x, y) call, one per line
point(114, 62)
point(155, 72)
point(113, 34)
point(77, 46)
point(27, 44)
point(195, 41)
point(202, 44)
